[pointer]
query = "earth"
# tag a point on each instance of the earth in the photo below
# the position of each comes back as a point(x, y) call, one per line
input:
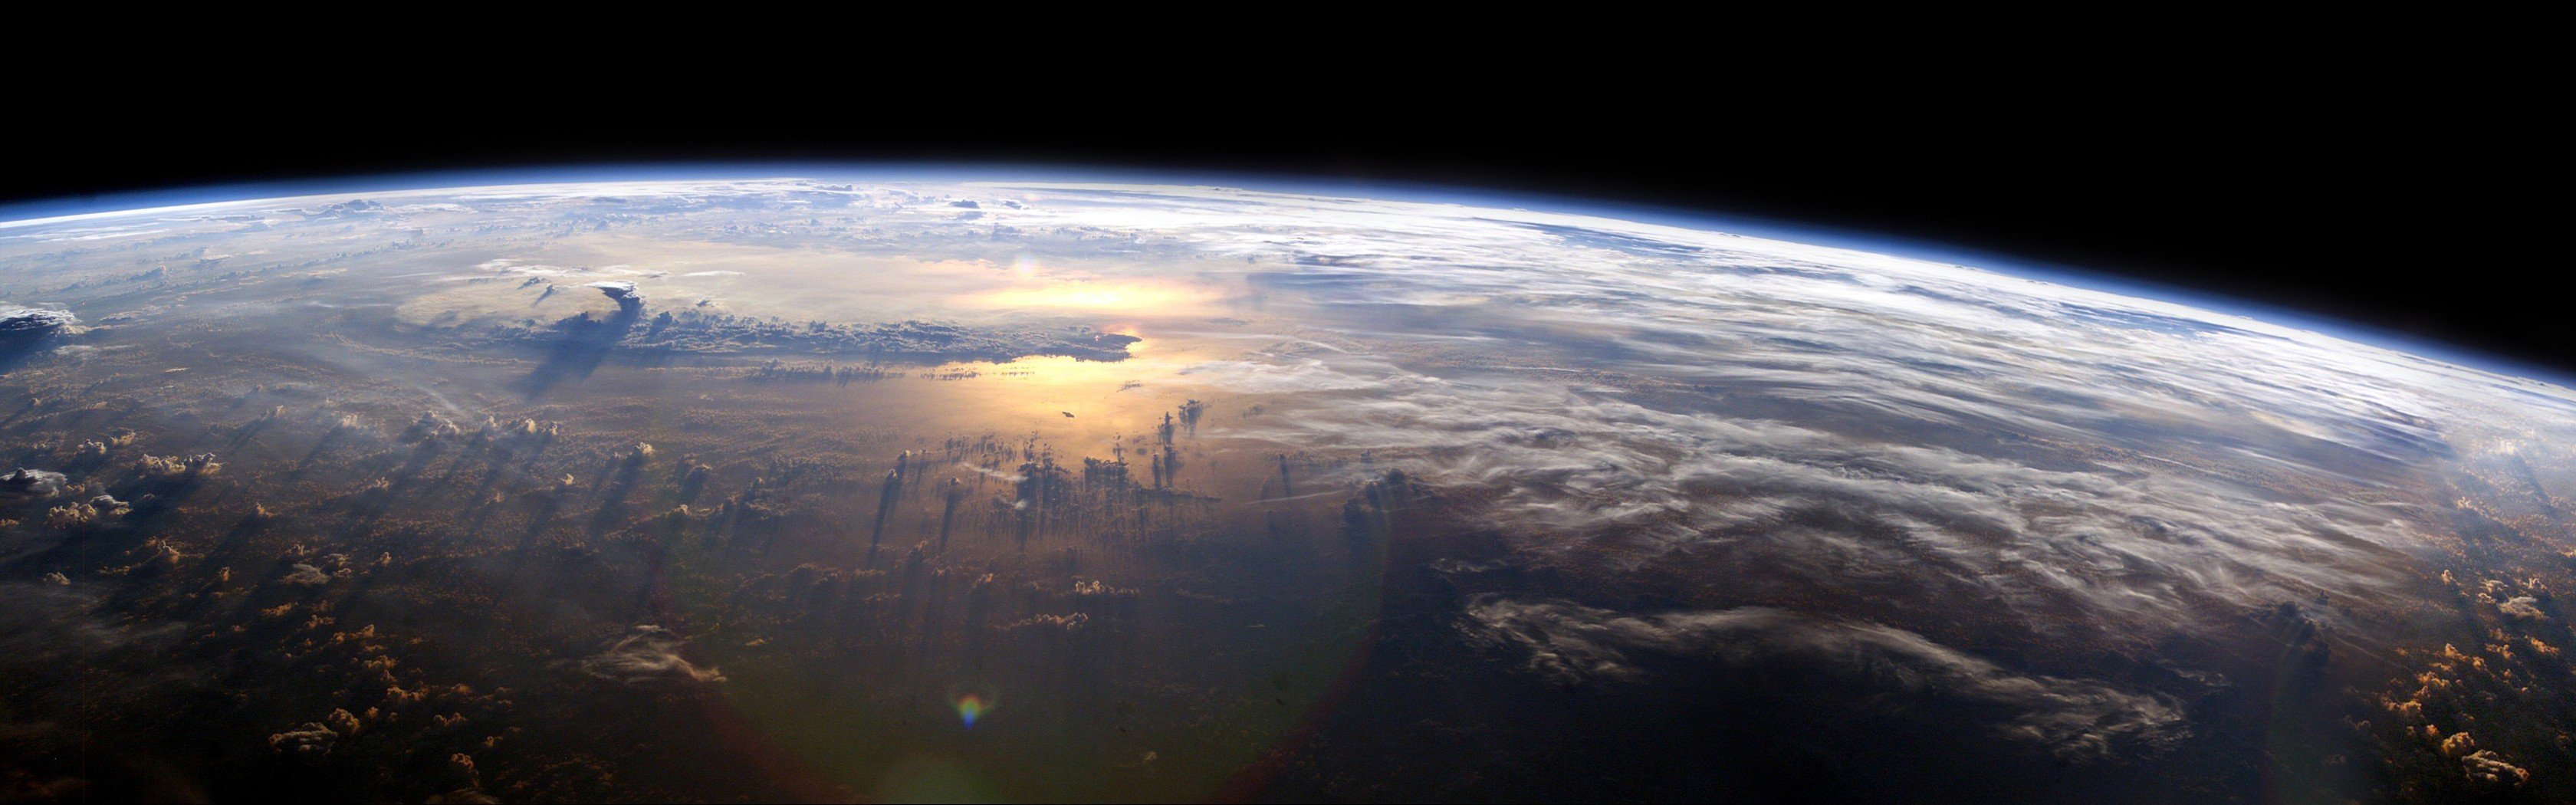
point(919, 488)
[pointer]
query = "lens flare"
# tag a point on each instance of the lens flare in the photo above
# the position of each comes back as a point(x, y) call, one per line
point(969, 708)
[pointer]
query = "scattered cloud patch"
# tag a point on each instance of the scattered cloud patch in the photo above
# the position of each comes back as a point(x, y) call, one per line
point(34, 320)
point(31, 483)
point(303, 575)
point(651, 654)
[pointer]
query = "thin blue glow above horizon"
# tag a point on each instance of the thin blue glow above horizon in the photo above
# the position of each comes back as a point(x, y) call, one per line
point(112, 204)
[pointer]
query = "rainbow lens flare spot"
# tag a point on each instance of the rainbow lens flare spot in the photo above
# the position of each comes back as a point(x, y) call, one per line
point(971, 707)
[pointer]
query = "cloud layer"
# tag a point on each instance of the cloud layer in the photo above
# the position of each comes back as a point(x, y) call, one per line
point(1876, 666)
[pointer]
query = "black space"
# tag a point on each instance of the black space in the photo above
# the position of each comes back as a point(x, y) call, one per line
point(2357, 195)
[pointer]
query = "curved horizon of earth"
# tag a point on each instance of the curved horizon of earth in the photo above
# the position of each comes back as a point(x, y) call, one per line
point(803, 489)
